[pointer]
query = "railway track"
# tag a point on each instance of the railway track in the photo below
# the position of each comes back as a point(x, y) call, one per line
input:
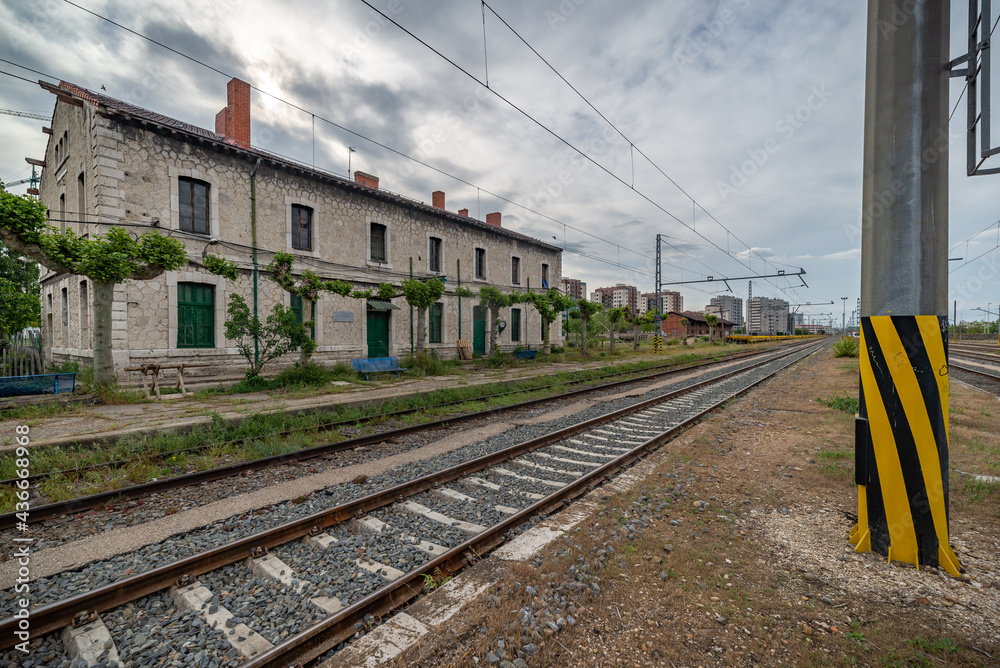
point(290, 594)
point(45, 512)
point(977, 377)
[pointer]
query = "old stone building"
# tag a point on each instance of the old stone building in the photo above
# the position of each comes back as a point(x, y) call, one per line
point(110, 163)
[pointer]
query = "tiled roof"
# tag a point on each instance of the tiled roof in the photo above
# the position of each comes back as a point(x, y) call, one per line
point(118, 107)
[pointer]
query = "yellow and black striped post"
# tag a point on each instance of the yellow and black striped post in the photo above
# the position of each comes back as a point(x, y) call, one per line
point(901, 434)
point(901, 456)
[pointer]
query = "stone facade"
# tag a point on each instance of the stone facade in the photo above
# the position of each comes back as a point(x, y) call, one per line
point(121, 166)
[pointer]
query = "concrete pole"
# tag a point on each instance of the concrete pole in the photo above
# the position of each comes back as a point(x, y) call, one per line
point(901, 462)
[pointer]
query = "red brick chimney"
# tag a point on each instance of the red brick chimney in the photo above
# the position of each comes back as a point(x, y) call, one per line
point(493, 219)
point(463, 212)
point(437, 199)
point(233, 122)
point(366, 180)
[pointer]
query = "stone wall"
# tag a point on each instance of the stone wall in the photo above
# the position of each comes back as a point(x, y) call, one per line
point(131, 175)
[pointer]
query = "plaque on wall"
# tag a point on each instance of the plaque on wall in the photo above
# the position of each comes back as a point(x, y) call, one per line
point(343, 316)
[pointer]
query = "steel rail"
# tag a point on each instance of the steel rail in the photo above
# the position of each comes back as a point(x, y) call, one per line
point(978, 372)
point(979, 357)
point(329, 426)
point(330, 632)
point(58, 614)
point(52, 510)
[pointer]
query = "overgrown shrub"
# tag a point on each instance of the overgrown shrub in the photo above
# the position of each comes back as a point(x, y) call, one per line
point(672, 342)
point(847, 346)
point(427, 363)
point(845, 403)
point(498, 360)
point(556, 350)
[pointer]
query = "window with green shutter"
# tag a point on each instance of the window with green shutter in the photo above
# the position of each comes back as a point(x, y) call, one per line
point(515, 324)
point(296, 306)
point(195, 315)
point(436, 311)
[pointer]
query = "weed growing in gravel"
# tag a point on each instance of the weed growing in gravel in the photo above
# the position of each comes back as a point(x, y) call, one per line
point(847, 346)
point(844, 403)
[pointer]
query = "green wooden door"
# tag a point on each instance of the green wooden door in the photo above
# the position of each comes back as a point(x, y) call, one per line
point(378, 333)
point(479, 330)
point(195, 315)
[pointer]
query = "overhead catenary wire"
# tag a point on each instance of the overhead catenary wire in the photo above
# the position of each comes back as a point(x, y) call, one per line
point(421, 162)
point(632, 146)
point(349, 131)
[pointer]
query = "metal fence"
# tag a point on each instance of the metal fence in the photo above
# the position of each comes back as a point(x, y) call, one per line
point(21, 354)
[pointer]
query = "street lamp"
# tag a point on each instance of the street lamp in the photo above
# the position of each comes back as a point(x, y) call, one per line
point(350, 150)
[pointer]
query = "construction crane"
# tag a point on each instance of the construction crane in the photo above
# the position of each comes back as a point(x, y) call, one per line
point(25, 114)
point(31, 180)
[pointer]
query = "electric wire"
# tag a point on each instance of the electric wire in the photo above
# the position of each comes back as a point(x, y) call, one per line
point(632, 145)
point(420, 162)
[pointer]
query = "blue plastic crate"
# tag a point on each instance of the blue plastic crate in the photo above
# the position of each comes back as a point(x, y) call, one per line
point(48, 383)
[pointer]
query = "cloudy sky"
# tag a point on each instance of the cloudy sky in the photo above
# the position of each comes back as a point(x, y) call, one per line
point(701, 87)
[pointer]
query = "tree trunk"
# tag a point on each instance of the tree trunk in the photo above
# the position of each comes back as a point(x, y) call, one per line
point(494, 320)
point(306, 309)
point(421, 328)
point(104, 296)
point(614, 335)
point(545, 339)
point(635, 335)
point(583, 333)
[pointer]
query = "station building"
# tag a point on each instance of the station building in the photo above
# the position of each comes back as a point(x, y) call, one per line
point(109, 163)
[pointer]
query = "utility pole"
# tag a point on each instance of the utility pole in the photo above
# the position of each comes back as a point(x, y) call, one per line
point(901, 449)
point(843, 318)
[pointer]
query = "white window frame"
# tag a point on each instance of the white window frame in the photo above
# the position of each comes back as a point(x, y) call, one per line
point(289, 201)
point(368, 242)
point(486, 265)
point(221, 297)
point(213, 199)
point(444, 240)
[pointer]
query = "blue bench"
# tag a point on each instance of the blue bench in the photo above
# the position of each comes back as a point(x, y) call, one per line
point(48, 383)
point(372, 365)
point(525, 355)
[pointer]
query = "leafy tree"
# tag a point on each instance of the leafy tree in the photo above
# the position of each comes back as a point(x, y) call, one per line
point(107, 260)
point(637, 320)
point(549, 305)
point(712, 321)
point(586, 309)
point(20, 295)
point(281, 333)
point(494, 300)
point(422, 295)
point(307, 287)
point(614, 318)
point(684, 328)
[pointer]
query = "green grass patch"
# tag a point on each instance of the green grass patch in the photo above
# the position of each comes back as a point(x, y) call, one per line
point(835, 454)
point(844, 403)
point(847, 346)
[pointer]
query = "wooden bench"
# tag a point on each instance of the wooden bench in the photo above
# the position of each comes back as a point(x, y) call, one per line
point(46, 383)
point(153, 370)
point(370, 365)
point(523, 355)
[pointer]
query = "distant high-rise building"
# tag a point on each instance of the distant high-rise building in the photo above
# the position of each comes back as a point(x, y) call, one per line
point(669, 301)
point(767, 316)
point(574, 288)
point(729, 308)
point(619, 296)
point(796, 321)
